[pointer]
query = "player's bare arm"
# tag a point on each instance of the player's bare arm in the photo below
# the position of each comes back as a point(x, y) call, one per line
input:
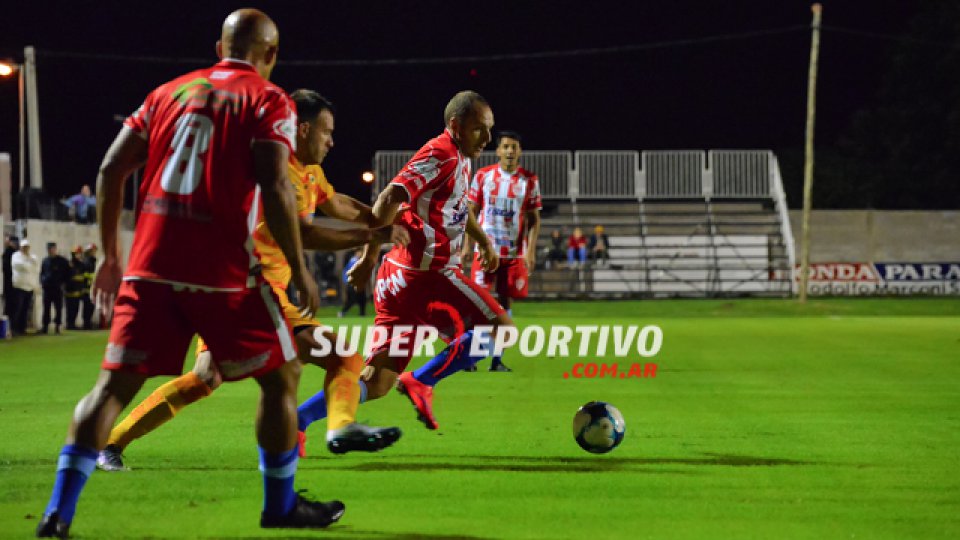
point(327, 239)
point(488, 255)
point(466, 253)
point(533, 233)
point(384, 213)
point(127, 153)
point(347, 208)
point(279, 211)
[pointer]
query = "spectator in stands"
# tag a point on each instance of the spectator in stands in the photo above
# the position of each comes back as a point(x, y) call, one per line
point(599, 244)
point(76, 287)
point(11, 245)
point(576, 248)
point(26, 280)
point(555, 252)
point(82, 205)
point(54, 273)
point(353, 296)
point(89, 271)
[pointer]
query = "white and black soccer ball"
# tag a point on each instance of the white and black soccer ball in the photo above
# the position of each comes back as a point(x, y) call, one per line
point(598, 427)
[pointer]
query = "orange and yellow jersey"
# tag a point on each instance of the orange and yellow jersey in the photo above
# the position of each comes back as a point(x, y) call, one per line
point(312, 189)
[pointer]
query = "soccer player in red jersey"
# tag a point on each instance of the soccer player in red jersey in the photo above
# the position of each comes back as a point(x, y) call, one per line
point(505, 200)
point(314, 139)
point(215, 143)
point(421, 283)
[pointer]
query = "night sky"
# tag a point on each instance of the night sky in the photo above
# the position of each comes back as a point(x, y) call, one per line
point(740, 93)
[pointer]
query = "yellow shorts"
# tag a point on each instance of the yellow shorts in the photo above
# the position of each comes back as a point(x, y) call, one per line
point(290, 312)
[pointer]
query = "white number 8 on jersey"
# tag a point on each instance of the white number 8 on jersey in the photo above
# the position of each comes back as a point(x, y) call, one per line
point(184, 168)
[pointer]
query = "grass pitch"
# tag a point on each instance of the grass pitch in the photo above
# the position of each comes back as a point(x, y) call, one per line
point(839, 419)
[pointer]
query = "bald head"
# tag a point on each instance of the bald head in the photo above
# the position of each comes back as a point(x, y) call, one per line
point(249, 34)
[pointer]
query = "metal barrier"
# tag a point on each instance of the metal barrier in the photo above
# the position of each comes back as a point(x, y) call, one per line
point(674, 174)
point(741, 173)
point(626, 174)
point(606, 174)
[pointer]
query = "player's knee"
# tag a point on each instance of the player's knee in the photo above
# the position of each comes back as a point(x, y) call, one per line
point(283, 380)
point(503, 321)
point(207, 371)
point(113, 391)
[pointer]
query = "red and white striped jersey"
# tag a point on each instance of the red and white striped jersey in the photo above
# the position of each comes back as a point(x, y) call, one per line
point(436, 179)
point(503, 200)
point(199, 202)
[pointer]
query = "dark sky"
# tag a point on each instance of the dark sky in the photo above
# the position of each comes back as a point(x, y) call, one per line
point(745, 93)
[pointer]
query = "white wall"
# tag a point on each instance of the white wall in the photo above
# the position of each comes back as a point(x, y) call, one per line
point(881, 235)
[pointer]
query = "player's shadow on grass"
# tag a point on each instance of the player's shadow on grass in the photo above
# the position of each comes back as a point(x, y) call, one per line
point(562, 464)
point(348, 533)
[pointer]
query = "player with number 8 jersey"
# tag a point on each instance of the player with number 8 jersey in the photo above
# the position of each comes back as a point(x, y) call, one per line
point(212, 221)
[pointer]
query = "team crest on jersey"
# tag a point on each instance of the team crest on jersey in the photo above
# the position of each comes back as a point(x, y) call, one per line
point(520, 283)
point(459, 216)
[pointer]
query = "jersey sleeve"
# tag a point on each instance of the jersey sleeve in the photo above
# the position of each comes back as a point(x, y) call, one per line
point(426, 169)
point(533, 200)
point(276, 119)
point(325, 190)
point(139, 121)
point(476, 188)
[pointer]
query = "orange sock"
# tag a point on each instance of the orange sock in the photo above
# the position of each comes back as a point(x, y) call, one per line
point(343, 392)
point(162, 405)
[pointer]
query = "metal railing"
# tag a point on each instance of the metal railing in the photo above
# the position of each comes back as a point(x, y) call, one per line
point(629, 174)
point(674, 174)
point(606, 174)
point(741, 173)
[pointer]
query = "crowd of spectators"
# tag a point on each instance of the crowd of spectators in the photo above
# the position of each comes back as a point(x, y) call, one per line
point(61, 283)
point(576, 250)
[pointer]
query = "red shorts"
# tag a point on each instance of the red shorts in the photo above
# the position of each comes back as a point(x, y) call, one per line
point(153, 325)
point(444, 299)
point(509, 280)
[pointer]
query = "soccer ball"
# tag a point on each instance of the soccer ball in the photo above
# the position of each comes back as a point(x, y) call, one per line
point(598, 427)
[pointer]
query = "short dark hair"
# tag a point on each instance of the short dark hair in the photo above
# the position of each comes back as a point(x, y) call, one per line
point(310, 104)
point(461, 104)
point(51, 245)
point(510, 135)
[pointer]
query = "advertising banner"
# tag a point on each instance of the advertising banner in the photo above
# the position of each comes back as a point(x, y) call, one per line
point(883, 279)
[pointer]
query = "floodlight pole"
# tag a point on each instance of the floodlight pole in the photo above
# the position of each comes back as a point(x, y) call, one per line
point(808, 152)
point(23, 127)
point(33, 116)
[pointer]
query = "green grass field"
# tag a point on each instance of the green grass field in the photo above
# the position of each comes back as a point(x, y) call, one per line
point(839, 419)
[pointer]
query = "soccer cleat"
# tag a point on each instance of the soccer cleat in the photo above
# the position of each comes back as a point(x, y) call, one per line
point(305, 515)
point(50, 526)
point(501, 367)
point(471, 369)
point(421, 395)
point(356, 436)
point(110, 459)
point(301, 444)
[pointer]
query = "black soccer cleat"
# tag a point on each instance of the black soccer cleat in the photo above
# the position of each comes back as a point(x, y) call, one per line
point(305, 515)
point(501, 367)
point(50, 526)
point(354, 437)
point(110, 459)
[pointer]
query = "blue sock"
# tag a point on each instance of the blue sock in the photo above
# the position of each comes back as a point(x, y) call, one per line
point(445, 364)
point(75, 465)
point(278, 470)
point(315, 408)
